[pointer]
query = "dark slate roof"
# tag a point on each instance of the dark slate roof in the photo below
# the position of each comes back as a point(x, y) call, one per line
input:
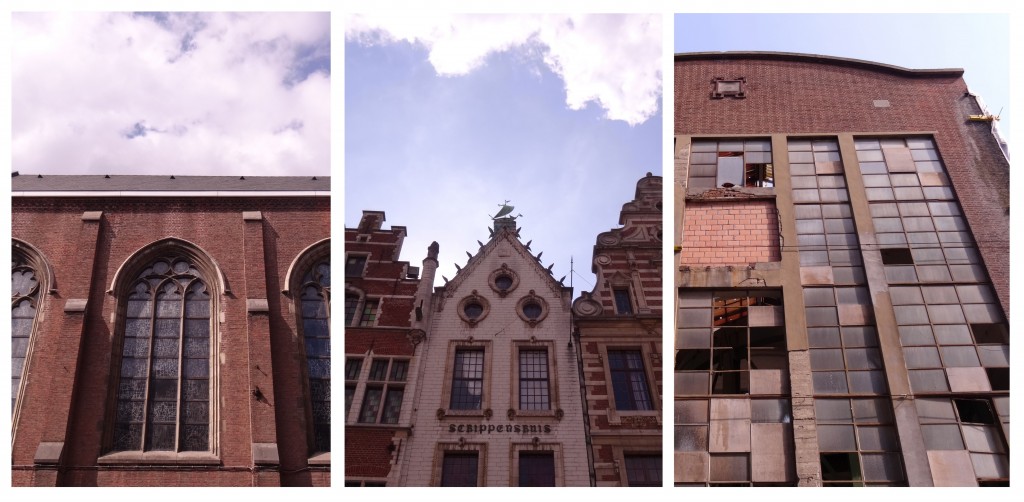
point(147, 183)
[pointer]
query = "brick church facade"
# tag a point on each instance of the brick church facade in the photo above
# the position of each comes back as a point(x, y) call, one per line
point(842, 265)
point(170, 331)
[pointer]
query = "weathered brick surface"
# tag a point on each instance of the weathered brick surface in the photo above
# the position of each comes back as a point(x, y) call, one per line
point(76, 384)
point(730, 233)
point(809, 95)
point(369, 446)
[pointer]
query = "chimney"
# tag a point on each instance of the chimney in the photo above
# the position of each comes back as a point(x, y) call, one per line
point(421, 311)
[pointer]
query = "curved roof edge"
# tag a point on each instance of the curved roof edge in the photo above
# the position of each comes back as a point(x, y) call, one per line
point(817, 58)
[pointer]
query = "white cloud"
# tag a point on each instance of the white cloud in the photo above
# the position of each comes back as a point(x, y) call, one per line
point(171, 94)
point(612, 60)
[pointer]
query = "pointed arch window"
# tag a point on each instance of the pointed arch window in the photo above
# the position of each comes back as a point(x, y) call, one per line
point(163, 391)
point(24, 303)
point(315, 302)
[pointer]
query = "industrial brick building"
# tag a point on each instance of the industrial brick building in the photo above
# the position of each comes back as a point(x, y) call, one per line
point(618, 328)
point(170, 331)
point(843, 258)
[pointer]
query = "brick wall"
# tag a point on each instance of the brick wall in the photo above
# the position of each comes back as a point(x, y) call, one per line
point(730, 233)
point(69, 373)
point(811, 95)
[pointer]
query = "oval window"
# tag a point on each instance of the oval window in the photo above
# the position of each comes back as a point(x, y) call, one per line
point(532, 310)
point(503, 282)
point(473, 310)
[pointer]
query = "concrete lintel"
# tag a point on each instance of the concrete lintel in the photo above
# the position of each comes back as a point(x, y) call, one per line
point(92, 215)
point(75, 305)
point(252, 216)
point(265, 454)
point(257, 305)
point(49, 453)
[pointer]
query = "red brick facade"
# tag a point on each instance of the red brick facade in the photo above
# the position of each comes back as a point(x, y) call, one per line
point(622, 316)
point(730, 233)
point(64, 417)
point(381, 296)
point(827, 95)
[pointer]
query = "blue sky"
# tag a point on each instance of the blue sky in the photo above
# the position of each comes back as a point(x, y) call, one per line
point(171, 93)
point(978, 43)
point(438, 140)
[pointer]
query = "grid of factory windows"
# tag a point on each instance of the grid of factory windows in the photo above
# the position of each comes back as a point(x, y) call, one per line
point(726, 335)
point(973, 432)
point(857, 442)
point(845, 358)
point(826, 235)
point(747, 441)
point(918, 222)
point(952, 328)
point(732, 163)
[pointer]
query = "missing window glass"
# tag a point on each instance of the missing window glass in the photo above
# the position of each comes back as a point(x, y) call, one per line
point(974, 411)
point(986, 333)
point(897, 256)
point(840, 467)
point(999, 378)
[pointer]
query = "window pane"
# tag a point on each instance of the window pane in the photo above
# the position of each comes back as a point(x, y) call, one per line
point(467, 380)
point(629, 381)
point(459, 469)
point(643, 470)
point(536, 469)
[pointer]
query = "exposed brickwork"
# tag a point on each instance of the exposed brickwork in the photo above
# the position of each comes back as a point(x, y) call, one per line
point(730, 233)
point(809, 96)
point(369, 446)
point(69, 382)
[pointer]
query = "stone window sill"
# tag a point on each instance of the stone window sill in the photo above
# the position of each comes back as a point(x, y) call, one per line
point(159, 458)
point(320, 459)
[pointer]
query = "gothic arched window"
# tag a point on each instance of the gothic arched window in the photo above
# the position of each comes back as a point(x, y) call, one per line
point(315, 300)
point(24, 303)
point(163, 391)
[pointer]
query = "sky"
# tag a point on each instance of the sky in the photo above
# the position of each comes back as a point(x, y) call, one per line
point(978, 43)
point(447, 117)
point(171, 93)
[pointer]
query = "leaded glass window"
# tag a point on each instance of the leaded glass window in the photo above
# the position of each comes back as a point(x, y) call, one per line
point(163, 396)
point(24, 299)
point(629, 381)
point(316, 299)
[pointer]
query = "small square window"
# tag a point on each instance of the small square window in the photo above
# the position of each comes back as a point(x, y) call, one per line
point(355, 265)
